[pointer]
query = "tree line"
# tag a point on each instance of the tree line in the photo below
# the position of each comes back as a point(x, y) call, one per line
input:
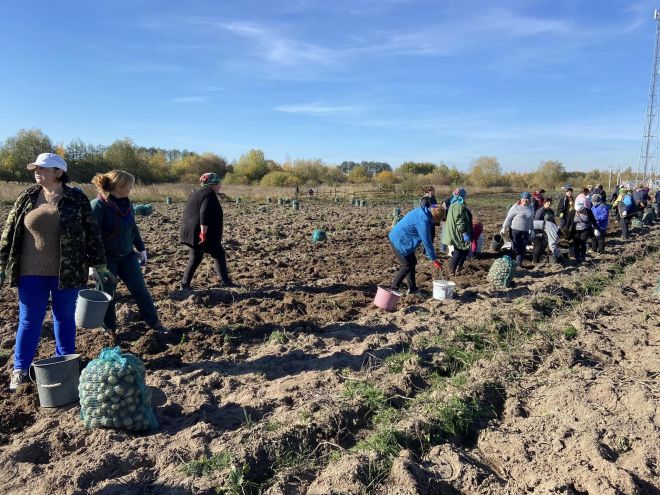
point(158, 165)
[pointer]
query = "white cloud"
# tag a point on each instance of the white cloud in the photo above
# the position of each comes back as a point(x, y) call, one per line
point(318, 109)
point(190, 99)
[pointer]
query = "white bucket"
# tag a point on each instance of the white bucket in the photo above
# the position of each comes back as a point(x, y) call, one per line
point(443, 289)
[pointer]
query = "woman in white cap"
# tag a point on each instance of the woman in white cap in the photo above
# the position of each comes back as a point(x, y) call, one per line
point(50, 239)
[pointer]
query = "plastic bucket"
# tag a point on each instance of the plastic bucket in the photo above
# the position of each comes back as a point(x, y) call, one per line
point(386, 299)
point(497, 243)
point(443, 289)
point(57, 379)
point(91, 307)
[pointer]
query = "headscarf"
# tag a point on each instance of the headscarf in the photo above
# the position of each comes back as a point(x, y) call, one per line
point(525, 195)
point(209, 179)
point(596, 199)
point(458, 196)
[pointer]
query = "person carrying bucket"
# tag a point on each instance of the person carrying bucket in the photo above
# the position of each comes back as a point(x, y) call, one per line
point(50, 239)
point(411, 231)
point(458, 230)
point(519, 222)
point(114, 215)
point(201, 230)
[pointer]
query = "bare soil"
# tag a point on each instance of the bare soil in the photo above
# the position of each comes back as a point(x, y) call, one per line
point(260, 373)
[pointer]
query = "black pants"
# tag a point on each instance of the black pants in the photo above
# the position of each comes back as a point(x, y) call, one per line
point(580, 239)
point(458, 257)
point(407, 270)
point(540, 243)
point(598, 243)
point(624, 223)
point(195, 256)
point(519, 244)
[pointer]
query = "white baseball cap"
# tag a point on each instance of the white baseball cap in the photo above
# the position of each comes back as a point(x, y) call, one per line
point(48, 160)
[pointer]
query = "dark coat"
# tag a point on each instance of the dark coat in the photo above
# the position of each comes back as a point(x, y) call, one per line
point(118, 228)
point(80, 239)
point(202, 208)
point(572, 232)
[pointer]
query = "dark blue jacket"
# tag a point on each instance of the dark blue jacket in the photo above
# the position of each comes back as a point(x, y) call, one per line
point(411, 231)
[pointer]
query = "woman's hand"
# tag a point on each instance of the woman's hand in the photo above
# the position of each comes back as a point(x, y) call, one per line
point(143, 257)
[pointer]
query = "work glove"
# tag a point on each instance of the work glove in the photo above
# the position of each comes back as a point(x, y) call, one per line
point(143, 257)
point(502, 231)
point(437, 264)
point(597, 232)
point(2, 277)
point(104, 275)
point(466, 237)
point(202, 237)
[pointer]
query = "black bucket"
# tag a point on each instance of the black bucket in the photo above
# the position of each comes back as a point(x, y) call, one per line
point(497, 243)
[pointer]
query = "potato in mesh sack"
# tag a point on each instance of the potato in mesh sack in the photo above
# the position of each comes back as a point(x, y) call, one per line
point(113, 393)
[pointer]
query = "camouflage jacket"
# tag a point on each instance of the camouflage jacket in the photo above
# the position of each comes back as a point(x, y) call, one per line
point(80, 239)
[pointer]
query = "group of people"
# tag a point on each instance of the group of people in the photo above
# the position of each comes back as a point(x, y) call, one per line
point(54, 239)
point(580, 220)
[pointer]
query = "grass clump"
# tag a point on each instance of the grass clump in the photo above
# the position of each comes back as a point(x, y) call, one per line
point(279, 337)
point(570, 332)
point(396, 362)
point(371, 396)
point(209, 465)
point(455, 417)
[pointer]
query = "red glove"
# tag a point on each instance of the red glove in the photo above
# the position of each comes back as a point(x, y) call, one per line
point(202, 237)
point(436, 264)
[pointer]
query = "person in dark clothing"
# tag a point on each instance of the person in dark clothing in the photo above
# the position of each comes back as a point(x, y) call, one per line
point(581, 225)
point(427, 201)
point(201, 230)
point(114, 215)
point(565, 206)
point(657, 205)
point(615, 194)
point(546, 208)
point(538, 199)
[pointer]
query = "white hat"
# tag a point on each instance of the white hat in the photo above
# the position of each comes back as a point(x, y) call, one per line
point(48, 160)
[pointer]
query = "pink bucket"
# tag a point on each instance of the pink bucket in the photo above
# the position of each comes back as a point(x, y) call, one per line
point(386, 299)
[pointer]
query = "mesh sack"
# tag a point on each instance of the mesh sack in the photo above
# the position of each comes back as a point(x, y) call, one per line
point(113, 393)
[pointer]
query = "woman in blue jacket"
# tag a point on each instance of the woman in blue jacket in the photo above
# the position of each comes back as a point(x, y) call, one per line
point(411, 231)
point(115, 217)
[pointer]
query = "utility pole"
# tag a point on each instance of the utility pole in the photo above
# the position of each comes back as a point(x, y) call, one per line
point(650, 139)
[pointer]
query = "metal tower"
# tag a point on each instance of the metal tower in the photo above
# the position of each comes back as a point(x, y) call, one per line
point(649, 152)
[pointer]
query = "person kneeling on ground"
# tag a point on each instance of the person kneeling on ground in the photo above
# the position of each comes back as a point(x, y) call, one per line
point(411, 231)
point(116, 219)
point(201, 230)
point(458, 231)
point(49, 241)
point(602, 216)
point(546, 234)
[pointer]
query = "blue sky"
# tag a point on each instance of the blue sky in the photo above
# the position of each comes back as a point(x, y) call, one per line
point(386, 80)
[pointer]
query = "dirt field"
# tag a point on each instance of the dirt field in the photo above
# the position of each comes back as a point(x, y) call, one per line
point(294, 383)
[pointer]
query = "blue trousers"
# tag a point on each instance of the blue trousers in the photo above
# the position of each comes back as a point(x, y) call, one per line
point(33, 294)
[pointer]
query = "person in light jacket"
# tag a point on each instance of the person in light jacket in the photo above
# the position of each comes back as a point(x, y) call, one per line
point(411, 231)
point(519, 224)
